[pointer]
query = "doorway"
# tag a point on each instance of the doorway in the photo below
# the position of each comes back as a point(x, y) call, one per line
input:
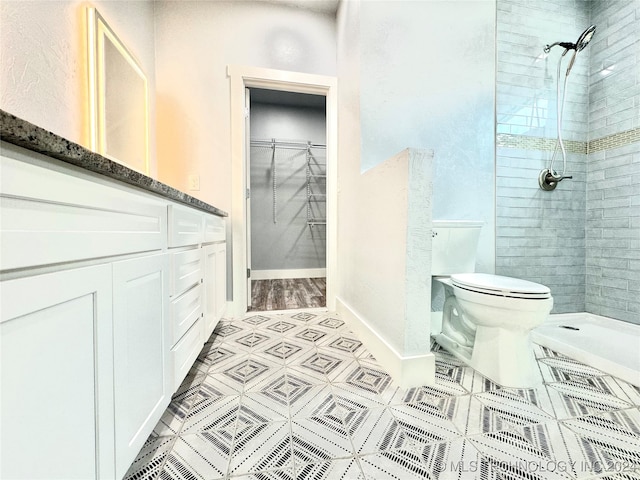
point(287, 215)
point(241, 78)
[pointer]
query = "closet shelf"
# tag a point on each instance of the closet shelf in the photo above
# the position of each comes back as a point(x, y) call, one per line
point(313, 222)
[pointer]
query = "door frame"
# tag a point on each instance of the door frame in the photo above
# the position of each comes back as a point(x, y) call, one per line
point(242, 77)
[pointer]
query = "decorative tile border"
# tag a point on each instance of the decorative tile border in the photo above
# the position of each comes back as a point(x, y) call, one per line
point(614, 141)
point(526, 142)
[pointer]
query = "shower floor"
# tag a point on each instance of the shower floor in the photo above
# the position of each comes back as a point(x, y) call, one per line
point(609, 345)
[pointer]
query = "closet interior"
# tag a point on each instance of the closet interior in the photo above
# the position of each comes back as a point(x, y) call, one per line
point(288, 200)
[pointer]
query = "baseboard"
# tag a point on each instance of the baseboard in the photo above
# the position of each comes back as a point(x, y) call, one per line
point(288, 273)
point(407, 372)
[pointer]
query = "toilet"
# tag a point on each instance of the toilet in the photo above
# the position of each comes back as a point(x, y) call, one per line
point(486, 319)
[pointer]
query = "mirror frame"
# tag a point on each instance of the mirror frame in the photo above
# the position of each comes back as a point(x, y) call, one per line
point(98, 33)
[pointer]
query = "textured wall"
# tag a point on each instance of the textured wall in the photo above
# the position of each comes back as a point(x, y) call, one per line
point(613, 169)
point(428, 77)
point(195, 41)
point(288, 242)
point(43, 75)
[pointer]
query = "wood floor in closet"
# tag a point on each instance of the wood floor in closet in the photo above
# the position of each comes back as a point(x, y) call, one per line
point(288, 293)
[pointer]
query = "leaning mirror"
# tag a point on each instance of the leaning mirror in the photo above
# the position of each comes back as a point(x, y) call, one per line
point(117, 97)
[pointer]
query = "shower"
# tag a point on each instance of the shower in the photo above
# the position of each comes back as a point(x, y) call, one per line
point(549, 178)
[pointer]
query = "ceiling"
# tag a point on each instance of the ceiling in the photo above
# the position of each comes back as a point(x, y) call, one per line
point(322, 6)
point(276, 97)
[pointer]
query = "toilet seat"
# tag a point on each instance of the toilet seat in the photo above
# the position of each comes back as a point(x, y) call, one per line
point(501, 286)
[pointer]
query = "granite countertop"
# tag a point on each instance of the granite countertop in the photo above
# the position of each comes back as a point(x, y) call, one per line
point(27, 135)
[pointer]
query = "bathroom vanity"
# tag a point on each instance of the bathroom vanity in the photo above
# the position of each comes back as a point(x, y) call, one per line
point(111, 283)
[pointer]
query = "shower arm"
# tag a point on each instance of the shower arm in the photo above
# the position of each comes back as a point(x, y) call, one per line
point(566, 45)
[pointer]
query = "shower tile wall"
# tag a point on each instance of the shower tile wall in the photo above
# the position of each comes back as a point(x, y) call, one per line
point(583, 239)
point(613, 169)
point(540, 236)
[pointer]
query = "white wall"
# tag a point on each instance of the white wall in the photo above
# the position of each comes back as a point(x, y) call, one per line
point(428, 81)
point(195, 42)
point(43, 76)
point(286, 242)
point(384, 226)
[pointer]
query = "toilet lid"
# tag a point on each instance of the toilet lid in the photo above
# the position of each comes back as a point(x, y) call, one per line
point(499, 285)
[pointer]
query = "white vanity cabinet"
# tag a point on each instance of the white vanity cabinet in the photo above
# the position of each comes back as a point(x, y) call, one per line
point(101, 315)
point(55, 352)
point(214, 283)
point(142, 371)
point(198, 283)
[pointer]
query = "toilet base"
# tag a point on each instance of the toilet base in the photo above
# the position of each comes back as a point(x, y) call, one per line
point(504, 357)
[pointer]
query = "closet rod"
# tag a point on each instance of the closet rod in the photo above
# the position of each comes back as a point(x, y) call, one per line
point(286, 144)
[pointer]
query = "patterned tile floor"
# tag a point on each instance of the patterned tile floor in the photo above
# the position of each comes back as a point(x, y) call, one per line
point(297, 396)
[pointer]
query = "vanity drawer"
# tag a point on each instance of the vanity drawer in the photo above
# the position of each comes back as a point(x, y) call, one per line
point(186, 270)
point(185, 352)
point(214, 229)
point(185, 311)
point(185, 226)
point(49, 217)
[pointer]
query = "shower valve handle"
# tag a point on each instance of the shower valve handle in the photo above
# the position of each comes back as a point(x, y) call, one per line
point(548, 181)
point(560, 178)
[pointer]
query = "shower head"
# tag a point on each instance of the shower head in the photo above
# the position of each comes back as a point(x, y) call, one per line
point(583, 40)
point(585, 37)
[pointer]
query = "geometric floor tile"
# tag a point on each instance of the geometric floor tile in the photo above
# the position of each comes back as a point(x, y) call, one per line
point(558, 369)
point(304, 316)
point(226, 329)
point(534, 451)
point(218, 356)
point(149, 461)
point(609, 442)
point(395, 464)
point(370, 379)
point(259, 407)
point(246, 370)
point(345, 344)
point(501, 408)
point(298, 396)
point(321, 363)
point(424, 424)
point(333, 323)
point(280, 326)
point(345, 469)
point(252, 339)
point(319, 439)
point(574, 399)
point(286, 474)
point(312, 401)
point(256, 319)
point(212, 414)
point(311, 335)
point(283, 350)
point(260, 447)
point(349, 397)
point(457, 459)
point(376, 430)
point(201, 455)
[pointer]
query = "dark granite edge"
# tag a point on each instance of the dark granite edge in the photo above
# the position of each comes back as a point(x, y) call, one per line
point(27, 135)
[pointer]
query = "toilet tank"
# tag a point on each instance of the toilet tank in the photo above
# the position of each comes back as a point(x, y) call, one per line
point(454, 246)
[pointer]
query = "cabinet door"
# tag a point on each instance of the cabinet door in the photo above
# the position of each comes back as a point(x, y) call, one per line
point(141, 352)
point(215, 282)
point(221, 279)
point(57, 376)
